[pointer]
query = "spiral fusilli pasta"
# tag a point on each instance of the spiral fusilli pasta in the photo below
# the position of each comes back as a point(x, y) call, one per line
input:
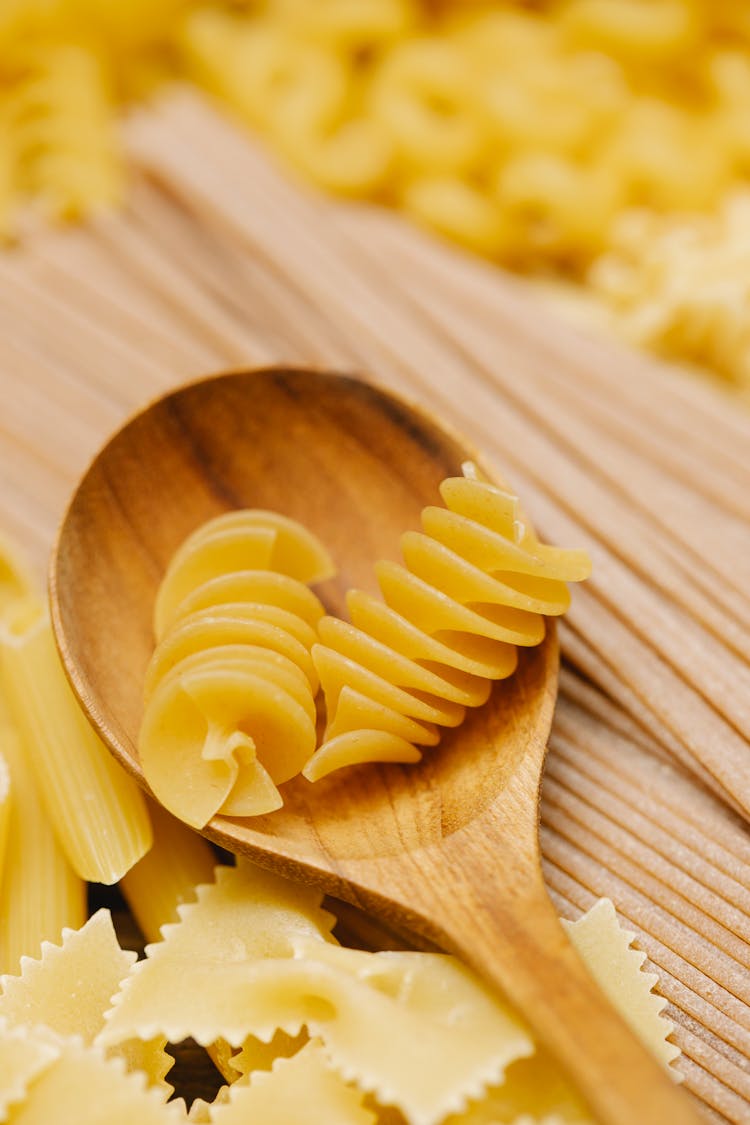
point(476, 583)
point(63, 125)
point(229, 708)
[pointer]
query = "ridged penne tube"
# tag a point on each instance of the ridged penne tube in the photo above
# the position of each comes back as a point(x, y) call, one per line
point(40, 893)
point(97, 811)
point(176, 863)
point(230, 690)
point(476, 583)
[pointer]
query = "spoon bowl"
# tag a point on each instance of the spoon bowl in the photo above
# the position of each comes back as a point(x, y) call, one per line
point(447, 847)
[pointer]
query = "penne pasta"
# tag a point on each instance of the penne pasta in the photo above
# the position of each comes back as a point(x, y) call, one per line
point(39, 891)
point(96, 810)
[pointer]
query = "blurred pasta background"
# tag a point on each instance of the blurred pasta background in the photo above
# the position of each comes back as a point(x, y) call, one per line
point(601, 146)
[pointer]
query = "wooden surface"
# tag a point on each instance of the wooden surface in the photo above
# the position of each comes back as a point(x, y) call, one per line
point(219, 261)
point(417, 844)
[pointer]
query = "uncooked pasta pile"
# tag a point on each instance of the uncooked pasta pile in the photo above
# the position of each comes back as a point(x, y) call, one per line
point(302, 1029)
point(525, 134)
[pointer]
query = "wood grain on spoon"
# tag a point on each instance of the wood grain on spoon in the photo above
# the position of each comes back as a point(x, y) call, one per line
point(449, 847)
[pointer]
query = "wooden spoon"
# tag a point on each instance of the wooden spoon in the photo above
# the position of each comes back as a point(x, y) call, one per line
point(448, 848)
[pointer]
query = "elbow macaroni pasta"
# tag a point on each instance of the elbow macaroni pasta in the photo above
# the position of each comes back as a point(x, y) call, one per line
point(476, 583)
point(480, 121)
point(230, 711)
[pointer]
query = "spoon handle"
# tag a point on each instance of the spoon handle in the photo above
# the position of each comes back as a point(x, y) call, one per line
point(506, 929)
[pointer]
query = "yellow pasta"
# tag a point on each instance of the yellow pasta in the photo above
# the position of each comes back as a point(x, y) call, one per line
point(16, 583)
point(618, 970)
point(476, 119)
point(538, 102)
point(40, 894)
point(262, 959)
point(421, 96)
point(5, 798)
point(63, 121)
point(654, 31)
point(680, 286)
point(417, 1030)
point(176, 863)
point(22, 1059)
point(535, 1088)
point(286, 1093)
point(274, 79)
point(98, 813)
point(80, 1086)
point(88, 964)
point(8, 174)
point(534, 1092)
point(244, 915)
point(349, 25)
point(230, 711)
point(459, 210)
point(556, 207)
point(476, 583)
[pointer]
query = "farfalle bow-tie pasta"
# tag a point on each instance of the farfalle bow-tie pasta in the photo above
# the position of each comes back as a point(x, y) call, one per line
point(242, 644)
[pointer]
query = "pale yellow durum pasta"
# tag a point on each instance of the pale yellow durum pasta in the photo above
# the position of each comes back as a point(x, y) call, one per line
point(680, 285)
point(64, 127)
point(525, 132)
point(88, 964)
point(39, 891)
point(285, 1094)
point(618, 970)
point(81, 1086)
point(418, 1031)
point(178, 861)
point(22, 1059)
point(229, 697)
point(175, 864)
point(4, 803)
point(97, 811)
point(476, 583)
point(16, 582)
